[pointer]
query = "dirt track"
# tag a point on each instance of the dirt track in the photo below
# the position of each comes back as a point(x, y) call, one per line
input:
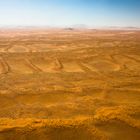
point(69, 85)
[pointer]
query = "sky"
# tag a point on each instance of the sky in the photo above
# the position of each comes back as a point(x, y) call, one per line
point(70, 12)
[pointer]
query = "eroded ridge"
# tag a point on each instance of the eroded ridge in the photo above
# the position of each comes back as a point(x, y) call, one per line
point(5, 68)
point(32, 66)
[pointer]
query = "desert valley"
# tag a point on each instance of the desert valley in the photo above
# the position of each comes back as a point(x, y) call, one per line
point(69, 84)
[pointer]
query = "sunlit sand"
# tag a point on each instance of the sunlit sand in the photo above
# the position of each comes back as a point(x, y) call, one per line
point(61, 84)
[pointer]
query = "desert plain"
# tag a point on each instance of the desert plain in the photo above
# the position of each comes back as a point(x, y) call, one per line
point(69, 84)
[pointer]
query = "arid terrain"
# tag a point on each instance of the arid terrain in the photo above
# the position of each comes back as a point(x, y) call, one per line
point(69, 84)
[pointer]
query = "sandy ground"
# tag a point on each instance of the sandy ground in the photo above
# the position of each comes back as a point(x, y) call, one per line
point(63, 84)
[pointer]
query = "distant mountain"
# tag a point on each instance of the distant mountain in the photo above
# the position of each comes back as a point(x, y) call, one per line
point(79, 26)
point(70, 28)
point(120, 28)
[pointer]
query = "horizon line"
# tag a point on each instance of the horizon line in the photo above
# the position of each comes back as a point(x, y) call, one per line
point(84, 26)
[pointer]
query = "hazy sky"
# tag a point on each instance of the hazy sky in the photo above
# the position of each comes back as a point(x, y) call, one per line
point(70, 12)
